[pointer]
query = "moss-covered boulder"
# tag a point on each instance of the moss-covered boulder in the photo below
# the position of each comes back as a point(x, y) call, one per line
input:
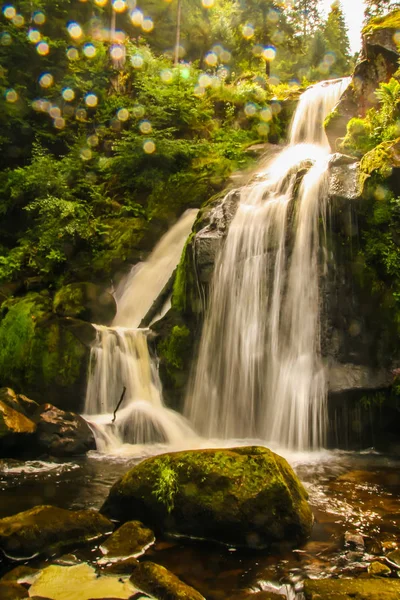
point(40, 353)
point(246, 497)
point(378, 62)
point(160, 583)
point(44, 529)
point(351, 589)
point(61, 433)
point(86, 301)
point(130, 540)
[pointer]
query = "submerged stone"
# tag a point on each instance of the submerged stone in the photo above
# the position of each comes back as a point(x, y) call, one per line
point(12, 591)
point(46, 528)
point(80, 582)
point(246, 497)
point(130, 540)
point(21, 574)
point(394, 557)
point(157, 581)
point(355, 589)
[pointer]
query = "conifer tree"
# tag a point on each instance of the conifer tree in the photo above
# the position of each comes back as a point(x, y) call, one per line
point(337, 40)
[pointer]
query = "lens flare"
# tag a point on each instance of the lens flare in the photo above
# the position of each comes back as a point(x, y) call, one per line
point(43, 48)
point(75, 30)
point(46, 80)
point(119, 6)
point(34, 36)
point(11, 96)
point(39, 18)
point(123, 114)
point(91, 100)
point(145, 127)
point(89, 50)
point(147, 25)
point(72, 53)
point(68, 94)
point(9, 12)
point(149, 147)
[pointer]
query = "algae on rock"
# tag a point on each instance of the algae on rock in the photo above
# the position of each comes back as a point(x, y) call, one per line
point(246, 496)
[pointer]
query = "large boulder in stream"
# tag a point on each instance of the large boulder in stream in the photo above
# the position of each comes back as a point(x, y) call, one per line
point(46, 529)
point(248, 497)
point(160, 583)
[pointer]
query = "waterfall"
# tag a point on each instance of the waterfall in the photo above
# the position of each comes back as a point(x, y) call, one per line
point(259, 372)
point(120, 357)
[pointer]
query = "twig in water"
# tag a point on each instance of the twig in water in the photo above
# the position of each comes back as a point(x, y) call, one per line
point(119, 404)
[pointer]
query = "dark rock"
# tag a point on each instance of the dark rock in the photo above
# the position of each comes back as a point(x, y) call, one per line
point(350, 589)
point(130, 540)
point(21, 574)
point(157, 581)
point(394, 557)
point(86, 301)
point(121, 567)
point(247, 595)
point(241, 496)
point(354, 540)
point(61, 433)
point(345, 377)
point(12, 591)
point(44, 529)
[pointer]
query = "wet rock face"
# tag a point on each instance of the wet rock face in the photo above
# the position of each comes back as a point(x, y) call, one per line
point(247, 497)
point(46, 528)
point(162, 584)
point(61, 433)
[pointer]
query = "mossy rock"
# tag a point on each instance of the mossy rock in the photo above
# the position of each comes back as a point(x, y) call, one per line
point(160, 583)
point(130, 540)
point(40, 355)
point(86, 301)
point(247, 497)
point(16, 430)
point(351, 589)
point(45, 529)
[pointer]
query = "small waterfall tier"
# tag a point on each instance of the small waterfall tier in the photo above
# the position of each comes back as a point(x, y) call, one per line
point(259, 372)
point(120, 358)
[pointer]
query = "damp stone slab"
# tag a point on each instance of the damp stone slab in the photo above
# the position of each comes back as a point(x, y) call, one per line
point(352, 589)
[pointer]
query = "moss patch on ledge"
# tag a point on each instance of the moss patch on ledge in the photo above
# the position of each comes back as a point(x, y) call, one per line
point(390, 21)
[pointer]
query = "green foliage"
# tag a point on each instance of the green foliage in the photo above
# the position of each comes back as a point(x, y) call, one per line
point(165, 484)
point(372, 400)
point(174, 348)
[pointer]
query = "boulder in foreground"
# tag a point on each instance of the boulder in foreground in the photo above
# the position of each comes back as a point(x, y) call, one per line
point(247, 497)
point(46, 528)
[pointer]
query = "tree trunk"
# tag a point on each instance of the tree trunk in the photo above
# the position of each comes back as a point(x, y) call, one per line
point(178, 31)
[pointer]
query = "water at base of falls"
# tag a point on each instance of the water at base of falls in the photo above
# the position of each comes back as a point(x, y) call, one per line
point(259, 372)
point(120, 358)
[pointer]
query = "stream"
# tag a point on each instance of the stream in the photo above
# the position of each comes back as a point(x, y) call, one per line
point(349, 492)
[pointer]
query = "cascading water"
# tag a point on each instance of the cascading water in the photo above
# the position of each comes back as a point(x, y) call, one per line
point(120, 357)
point(259, 371)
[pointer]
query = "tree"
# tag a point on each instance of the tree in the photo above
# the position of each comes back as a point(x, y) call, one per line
point(376, 8)
point(305, 17)
point(337, 40)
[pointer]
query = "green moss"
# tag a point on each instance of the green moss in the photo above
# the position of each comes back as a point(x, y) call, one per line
point(331, 118)
point(35, 351)
point(174, 348)
point(70, 299)
point(358, 137)
point(390, 21)
point(184, 279)
point(376, 161)
point(221, 494)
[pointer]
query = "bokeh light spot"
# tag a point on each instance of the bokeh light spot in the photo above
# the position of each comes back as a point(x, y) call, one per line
point(59, 123)
point(9, 12)
point(46, 80)
point(137, 61)
point(147, 25)
point(75, 30)
point(250, 109)
point(211, 59)
point(68, 94)
point(145, 127)
point(119, 6)
point(208, 3)
point(247, 31)
point(11, 96)
point(39, 17)
point(91, 100)
point(81, 114)
point(34, 36)
point(149, 147)
point(43, 48)
point(86, 154)
point(93, 140)
point(166, 75)
point(18, 21)
point(266, 114)
point(72, 53)
point(123, 114)
point(138, 111)
point(137, 17)
point(89, 50)
point(269, 53)
point(5, 39)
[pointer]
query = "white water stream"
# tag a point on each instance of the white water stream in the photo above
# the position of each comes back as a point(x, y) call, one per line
point(259, 373)
point(120, 357)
